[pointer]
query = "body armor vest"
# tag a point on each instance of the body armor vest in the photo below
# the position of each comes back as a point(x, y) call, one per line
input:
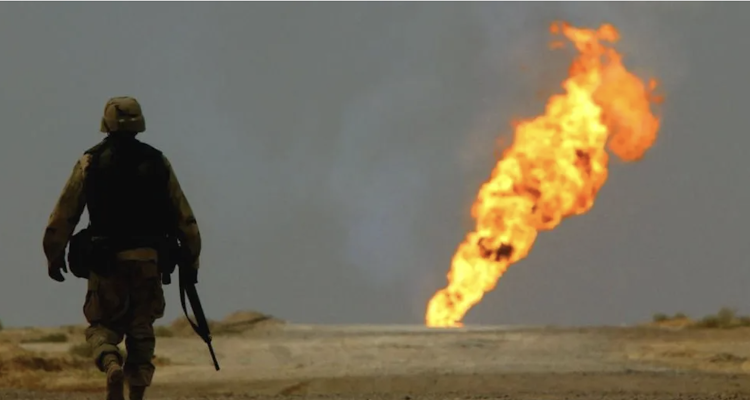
point(127, 193)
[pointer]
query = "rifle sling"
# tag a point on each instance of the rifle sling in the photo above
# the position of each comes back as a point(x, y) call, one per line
point(196, 327)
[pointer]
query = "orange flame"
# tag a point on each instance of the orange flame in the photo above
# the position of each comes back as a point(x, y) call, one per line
point(554, 168)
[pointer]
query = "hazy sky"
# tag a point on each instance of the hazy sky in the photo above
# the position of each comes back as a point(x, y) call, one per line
point(331, 152)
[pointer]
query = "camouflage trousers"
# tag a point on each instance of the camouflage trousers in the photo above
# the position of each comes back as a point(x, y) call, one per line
point(125, 305)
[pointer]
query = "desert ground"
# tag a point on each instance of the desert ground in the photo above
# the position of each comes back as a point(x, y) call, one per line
point(262, 358)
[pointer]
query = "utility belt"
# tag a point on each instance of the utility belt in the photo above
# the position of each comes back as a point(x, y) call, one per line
point(98, 254)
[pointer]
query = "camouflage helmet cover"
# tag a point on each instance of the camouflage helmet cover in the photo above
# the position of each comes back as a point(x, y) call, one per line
point(122, 114)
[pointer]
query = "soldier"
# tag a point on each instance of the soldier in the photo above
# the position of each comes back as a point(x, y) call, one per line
point(134, 200)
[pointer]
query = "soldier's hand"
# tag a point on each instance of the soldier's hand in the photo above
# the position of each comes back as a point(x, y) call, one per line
point(55, 269)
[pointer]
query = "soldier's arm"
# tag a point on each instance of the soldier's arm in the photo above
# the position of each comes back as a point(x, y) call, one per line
point(187, 226)
point(66, 213)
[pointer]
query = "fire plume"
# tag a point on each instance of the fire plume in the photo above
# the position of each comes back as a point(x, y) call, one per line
point(554, 168)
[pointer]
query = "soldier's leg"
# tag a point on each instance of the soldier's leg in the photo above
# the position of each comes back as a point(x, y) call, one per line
point(139, 367)
point(105, 305)
point(104, 342)
point(147, 305)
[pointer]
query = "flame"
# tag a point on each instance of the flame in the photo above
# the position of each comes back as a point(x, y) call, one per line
point(554, 168)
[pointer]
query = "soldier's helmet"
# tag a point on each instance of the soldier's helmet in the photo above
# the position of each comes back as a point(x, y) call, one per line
point(122, 114)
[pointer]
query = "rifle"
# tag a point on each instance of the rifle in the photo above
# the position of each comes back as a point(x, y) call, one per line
point(201, 327)
point(174, 257)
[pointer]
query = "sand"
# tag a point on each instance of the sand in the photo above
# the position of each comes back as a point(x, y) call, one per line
point(276, 360)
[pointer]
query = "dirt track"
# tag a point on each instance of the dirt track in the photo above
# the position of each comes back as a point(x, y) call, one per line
point(635, 386)
point(415, 363)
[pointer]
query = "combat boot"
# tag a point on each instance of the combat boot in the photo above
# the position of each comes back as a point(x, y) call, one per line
point(137, 392)
point(115, 376)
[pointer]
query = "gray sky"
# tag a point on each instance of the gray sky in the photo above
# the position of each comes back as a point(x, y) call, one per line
point(331, 152)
